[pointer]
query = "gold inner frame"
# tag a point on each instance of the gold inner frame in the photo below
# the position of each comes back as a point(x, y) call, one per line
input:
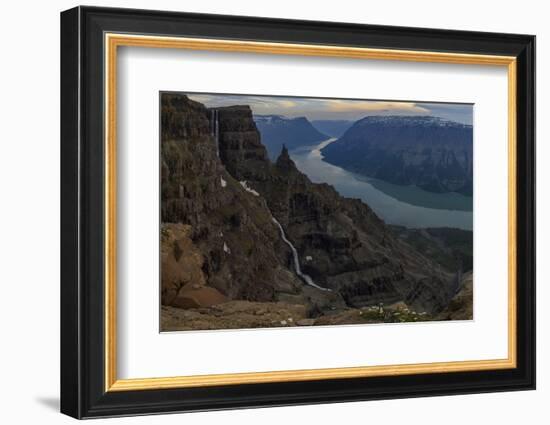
point(113, 41)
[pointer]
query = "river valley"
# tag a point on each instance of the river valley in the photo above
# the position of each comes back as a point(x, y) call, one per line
point(407, 206)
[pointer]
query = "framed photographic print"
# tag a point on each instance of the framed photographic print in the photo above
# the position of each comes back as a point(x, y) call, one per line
point(261, 212)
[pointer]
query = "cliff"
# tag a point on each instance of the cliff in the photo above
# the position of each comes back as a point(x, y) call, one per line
point(241, 255)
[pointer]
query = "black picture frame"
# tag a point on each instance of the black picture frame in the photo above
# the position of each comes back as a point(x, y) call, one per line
point(83, 392)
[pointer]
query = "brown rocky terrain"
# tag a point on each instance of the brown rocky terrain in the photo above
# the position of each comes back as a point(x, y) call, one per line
point(234, 315)
point(250, 315)
point(242, 255)
point(223, 256)
point(183, 279)
point(461, 305)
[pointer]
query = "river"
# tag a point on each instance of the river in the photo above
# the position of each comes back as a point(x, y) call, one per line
point(407, 206)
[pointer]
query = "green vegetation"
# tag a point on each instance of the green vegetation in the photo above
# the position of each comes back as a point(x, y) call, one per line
point(401, 315)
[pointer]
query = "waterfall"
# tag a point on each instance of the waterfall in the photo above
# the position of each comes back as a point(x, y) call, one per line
point(215, 130)
point(296, 259)
point(306, 278)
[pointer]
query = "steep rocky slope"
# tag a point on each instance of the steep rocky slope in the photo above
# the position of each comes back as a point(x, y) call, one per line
point(241, 254)
point(452, 248)
point(461, 305)
point(429, 152)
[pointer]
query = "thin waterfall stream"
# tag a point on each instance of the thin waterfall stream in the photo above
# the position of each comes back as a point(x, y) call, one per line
point(215, 130)
point(296, 259)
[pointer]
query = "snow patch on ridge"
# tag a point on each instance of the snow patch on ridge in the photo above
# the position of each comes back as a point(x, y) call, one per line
point(248, 188)
point(226, 248)
point(412, 120)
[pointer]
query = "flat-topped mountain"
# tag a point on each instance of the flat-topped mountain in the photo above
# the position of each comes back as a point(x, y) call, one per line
point(429, 152)
point(277, 130)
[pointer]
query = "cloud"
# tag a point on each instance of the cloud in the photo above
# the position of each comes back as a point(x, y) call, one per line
point(337, 105)
point(288, 103)
point(258, 102)
point(316, 108)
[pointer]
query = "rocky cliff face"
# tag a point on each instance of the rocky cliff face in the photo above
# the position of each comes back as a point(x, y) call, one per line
point(341, 242)
point(461, 305)
point(239, 142)
point(429, 152)
point(241, 255)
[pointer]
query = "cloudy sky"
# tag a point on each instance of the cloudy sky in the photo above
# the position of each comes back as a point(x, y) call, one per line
point(336, 109)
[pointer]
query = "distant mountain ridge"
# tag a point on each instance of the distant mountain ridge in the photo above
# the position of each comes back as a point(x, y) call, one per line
point(333, 128)
point(278, 130)
point(432, 153)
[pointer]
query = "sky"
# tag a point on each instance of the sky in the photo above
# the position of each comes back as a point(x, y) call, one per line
point(336, 109)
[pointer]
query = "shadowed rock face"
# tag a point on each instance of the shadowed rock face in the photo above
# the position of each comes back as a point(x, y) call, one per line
point(240, 142)
point(428, 152)
point(461, 305)
point(242, 256)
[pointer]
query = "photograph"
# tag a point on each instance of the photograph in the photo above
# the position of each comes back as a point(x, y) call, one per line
point(283, 211)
